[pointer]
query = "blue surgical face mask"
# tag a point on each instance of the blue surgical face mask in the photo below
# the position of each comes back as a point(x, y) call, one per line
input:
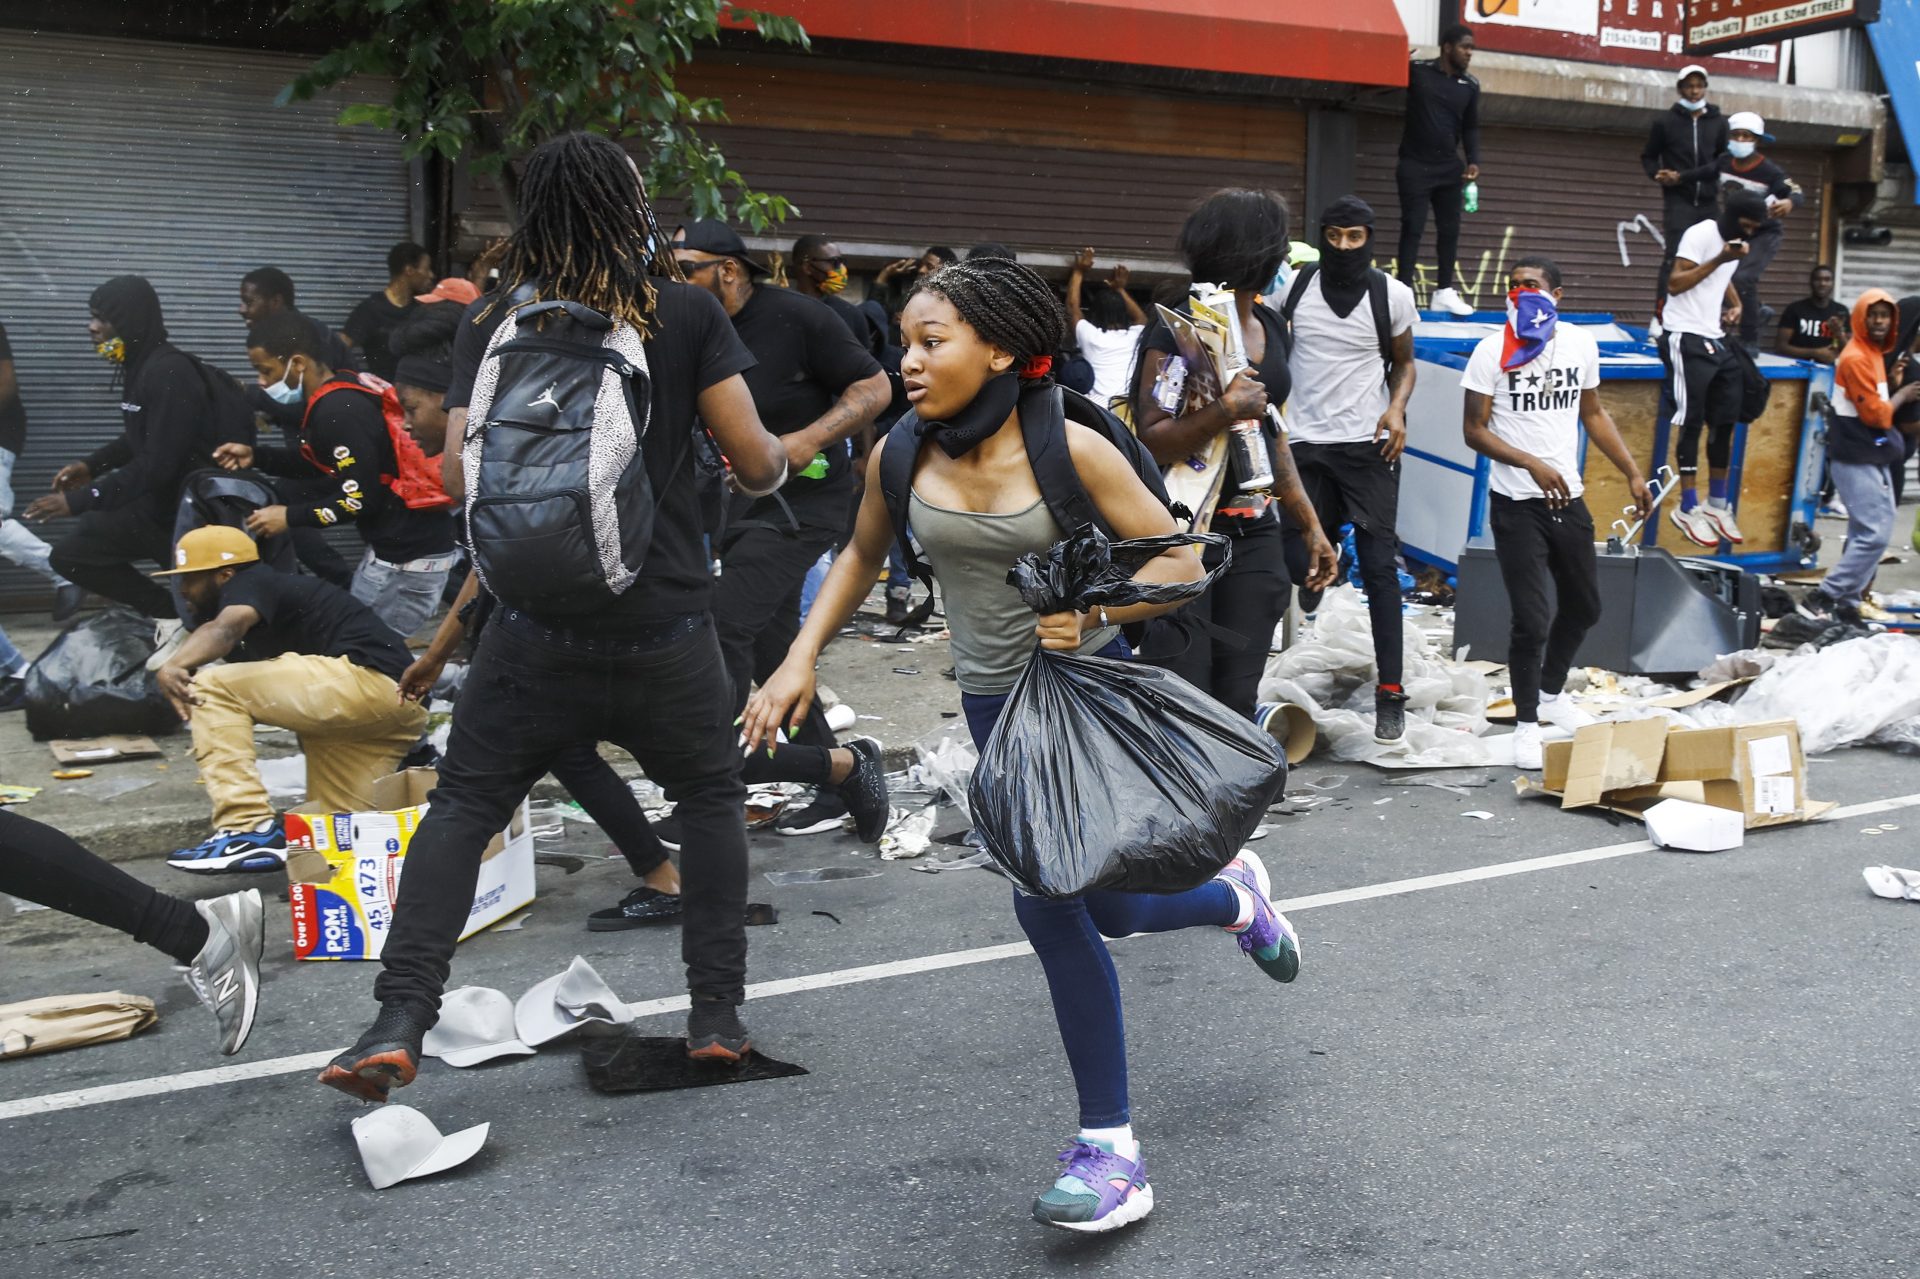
point(1692, 106)
point(1739, 150)
point(286, 390)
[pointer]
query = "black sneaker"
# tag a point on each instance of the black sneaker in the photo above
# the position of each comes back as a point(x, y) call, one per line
point(387, 1057)
point(899, 604)
point(638, 909)
point(1817, 606)
point(1389, 718)
point(714, 1032)
point(13, 694)
point(827, 811)
point(865, 790)
point(667, 831)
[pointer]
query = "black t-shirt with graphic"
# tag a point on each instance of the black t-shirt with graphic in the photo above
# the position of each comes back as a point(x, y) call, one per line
point(306, 615)
point(1813, 327)
point(693, 348)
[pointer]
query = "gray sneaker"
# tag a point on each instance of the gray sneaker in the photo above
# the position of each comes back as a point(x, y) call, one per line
point(226, 972)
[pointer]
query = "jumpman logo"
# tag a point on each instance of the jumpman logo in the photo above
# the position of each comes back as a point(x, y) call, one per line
point(545, 397)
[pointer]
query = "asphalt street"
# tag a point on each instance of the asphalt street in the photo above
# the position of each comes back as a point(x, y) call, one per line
point(1647, 1064)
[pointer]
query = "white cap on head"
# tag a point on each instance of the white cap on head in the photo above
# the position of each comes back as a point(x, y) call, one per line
point(1751, 122)
point(1692, 68)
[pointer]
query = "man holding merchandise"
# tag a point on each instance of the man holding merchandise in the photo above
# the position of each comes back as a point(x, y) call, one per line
point(1528, 390)
point(1706, 374)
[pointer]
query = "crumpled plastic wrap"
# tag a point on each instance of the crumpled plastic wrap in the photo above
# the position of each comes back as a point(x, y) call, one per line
point(1329, 672)
point(945, 760)
point(1865, 690)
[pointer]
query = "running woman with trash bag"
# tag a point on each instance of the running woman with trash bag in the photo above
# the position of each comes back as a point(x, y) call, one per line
point(979, 335)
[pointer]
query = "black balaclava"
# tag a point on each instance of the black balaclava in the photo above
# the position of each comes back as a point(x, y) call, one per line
point(984, 414)
point(1343, 272)
point(130, 305)
point(1740, 204)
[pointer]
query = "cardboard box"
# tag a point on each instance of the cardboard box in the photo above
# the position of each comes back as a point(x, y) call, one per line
point(345, 870)
point(1629, 766)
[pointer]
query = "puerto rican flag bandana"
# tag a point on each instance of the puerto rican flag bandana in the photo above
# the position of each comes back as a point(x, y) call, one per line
point(1531, 317)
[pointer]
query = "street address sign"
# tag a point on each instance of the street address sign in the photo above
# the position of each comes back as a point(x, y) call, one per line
point(1716, 26)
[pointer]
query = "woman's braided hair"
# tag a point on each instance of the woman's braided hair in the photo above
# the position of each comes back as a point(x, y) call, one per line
point(1007, 304)
point(585, 228)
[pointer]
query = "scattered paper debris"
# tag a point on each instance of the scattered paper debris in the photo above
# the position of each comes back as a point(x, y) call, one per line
point(907, 833)
point(1482, 814)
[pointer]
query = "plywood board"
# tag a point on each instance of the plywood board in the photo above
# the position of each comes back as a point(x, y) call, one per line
point(1635, 408)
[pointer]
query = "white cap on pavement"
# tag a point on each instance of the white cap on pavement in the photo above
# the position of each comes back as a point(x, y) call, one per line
point(476, 1025)
point(553, 1007)
point(398, 1143)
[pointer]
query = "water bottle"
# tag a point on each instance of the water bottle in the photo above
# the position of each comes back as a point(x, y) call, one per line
point(816, 469)
point(1470, 197)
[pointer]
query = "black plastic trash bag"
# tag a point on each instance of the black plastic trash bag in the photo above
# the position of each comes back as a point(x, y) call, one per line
point(1105, 774)
point(93, 681)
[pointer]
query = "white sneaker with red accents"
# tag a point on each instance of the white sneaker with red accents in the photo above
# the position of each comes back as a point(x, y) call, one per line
point(1721, 518)
point(1697, 528)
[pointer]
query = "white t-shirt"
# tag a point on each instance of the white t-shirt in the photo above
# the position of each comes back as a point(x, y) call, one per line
point(1536, 407)
point(1698, 309)
point(1110, 351)
point(1339, 380)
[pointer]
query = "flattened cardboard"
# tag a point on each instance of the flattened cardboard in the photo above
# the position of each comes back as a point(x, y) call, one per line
point(1694, 696)
point(102, 750)
point(1608, 756)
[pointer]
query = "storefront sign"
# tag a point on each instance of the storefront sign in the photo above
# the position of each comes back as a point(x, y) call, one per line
point(1634, 33)
point(1715, 26)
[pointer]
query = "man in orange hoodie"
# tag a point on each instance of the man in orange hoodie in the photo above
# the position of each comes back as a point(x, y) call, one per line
point(1862, 447)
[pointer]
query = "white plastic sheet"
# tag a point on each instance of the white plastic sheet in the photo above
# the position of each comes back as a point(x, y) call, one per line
point(1862, 690)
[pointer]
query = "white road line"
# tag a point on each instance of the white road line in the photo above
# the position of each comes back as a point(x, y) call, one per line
point(161, 1084)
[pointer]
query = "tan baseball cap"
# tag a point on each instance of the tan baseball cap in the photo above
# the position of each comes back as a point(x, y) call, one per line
point(215, 546)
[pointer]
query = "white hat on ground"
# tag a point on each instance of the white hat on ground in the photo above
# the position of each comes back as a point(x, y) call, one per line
point(476, 1025)
point(553, 1007)
point(398, 1143)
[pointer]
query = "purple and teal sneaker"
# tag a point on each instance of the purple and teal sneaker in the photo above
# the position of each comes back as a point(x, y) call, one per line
point(1269, 938)
point(1098, 1191)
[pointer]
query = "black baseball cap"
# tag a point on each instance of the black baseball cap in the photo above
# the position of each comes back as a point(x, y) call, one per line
point(719, 239)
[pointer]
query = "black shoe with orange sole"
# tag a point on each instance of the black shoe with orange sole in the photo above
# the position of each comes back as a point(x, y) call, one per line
point(714, 1032)
point(387, 1057)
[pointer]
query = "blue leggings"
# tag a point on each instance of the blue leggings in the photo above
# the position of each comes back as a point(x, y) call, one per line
point(1067, 936)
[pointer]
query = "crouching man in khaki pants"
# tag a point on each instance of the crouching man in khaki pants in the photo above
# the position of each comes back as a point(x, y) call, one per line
point(306, 656)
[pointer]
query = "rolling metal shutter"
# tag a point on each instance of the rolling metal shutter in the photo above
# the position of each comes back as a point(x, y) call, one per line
point(168, 161)
point(1894, 266)
point(1579, 198)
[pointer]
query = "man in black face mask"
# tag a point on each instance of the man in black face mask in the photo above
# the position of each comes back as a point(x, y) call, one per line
point(1352, 366)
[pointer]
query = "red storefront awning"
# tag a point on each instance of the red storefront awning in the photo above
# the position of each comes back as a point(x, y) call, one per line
point(1348, 42)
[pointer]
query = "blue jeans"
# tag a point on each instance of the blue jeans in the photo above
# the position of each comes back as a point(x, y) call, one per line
point(1867, 490)
point(403, 596)
point(11, 660)
point(17, 542)
point(1067, 936)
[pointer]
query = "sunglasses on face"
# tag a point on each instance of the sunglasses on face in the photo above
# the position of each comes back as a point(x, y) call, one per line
point(832, 262)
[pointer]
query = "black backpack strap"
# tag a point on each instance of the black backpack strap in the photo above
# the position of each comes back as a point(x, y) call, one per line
point(1382, 317)
point(1043, 422)
point(1301, 278)
point(899, 449)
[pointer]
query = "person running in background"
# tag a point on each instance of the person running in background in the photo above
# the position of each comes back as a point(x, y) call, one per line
point(1442, 122)
point(125, 491)
point(409, 274)
point(346, 442)
point(980, 335)
point(1863, 446)
point(1107, 331)
point(1235, 239)
point(1529, 390)
point(218, 942)
point(1816, 327)
point(1352, 367)
point(1744, 168)
point(643, 671)
point(1706, 376)
point(1683, 150)
point(17, 541)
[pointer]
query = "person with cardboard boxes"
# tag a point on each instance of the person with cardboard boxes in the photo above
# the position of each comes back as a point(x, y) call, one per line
point(303, 654)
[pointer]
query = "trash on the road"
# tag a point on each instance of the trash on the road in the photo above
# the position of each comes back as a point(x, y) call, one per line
point(513, 925)
point(908, 833)
point(1259, 832)
point(555, 1005)
point(344, 870)
point(1479, 813)
point(1893, 882)
point(102, 750)
point(1387, 800)
point(398, 1143)
point(827, 913)
point(1694, 828)
point(1333, 781)
point(761, 915)
point(639, 1063)
point(767, 800)
point(906, 670)
point(946, 758)
point(476, 1025)
point(1755, 770)
point(1458, 783)
point(841, 717)
point(17, 794)
point(819, 875)
point(1861, 690)
point(57, 1022)
point(101, 789)
point(93, 680)
point(1291, 726)
point(71, 774)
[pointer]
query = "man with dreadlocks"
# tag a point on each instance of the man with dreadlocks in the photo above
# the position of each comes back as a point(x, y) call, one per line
point(980, 335)
point(815, 388)
point(643, 671)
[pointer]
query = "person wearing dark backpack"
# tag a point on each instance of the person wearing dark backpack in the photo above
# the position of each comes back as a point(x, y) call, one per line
point(987, 425)
point(124, 492)
point(604, 629)
point(1236, 239)
point(364, 466)
point(816, 388)
point(1352, 366)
